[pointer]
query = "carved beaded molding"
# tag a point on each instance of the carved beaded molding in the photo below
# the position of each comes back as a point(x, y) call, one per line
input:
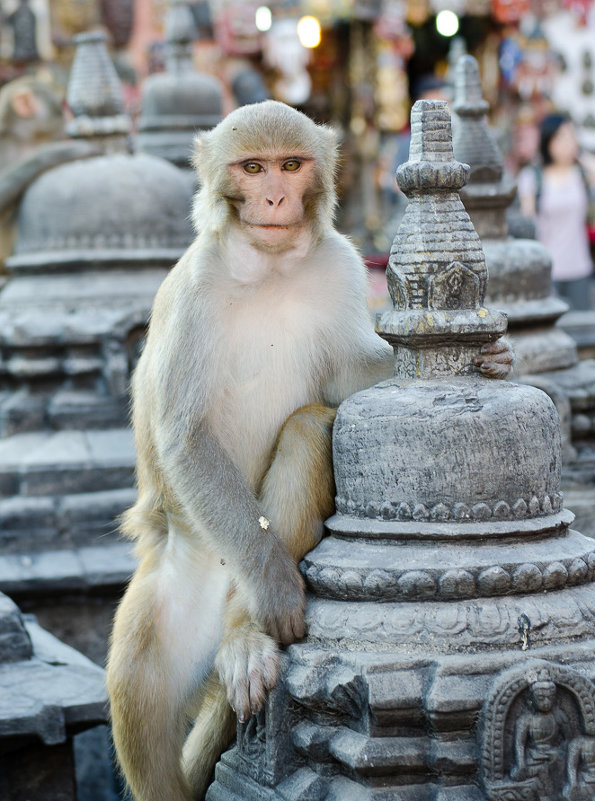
point(454, 583)
point(459, 512)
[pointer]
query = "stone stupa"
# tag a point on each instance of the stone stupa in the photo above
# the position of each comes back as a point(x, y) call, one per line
point(177, 103)
point(95, 239)
point(520, 285)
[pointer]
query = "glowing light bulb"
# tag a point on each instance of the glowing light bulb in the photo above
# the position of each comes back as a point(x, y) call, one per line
point(308, 31)
point(447, 23)
point(263, 18)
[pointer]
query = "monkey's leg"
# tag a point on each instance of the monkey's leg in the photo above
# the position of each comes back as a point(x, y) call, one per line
point(246, 668)
point(297, 495)
point(212, 732)
point(298, 490)
point(166, 633)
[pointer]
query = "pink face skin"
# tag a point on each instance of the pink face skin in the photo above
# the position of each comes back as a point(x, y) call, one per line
point(563, 145)
point(269, 199)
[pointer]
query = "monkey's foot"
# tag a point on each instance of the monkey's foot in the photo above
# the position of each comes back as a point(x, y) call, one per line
point(248, 664)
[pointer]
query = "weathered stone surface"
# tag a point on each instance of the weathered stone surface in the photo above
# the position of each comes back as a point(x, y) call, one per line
point(48, 692)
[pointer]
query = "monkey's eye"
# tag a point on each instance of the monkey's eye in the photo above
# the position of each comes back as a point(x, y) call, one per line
point(292, 165)
point(252, 167)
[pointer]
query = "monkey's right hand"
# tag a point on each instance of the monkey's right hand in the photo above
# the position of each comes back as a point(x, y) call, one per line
point(279, 600)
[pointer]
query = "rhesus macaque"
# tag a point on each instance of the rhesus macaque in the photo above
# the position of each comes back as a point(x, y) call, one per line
point(256, 335)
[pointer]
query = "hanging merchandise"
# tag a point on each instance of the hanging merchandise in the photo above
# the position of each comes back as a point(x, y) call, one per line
point(236, 31)
point(507, 11)
point(394, 47)
point(537, 70)
point(580, 10)
point(418, 12)
point(510, 56)
point(285, 53)
point(574, 86)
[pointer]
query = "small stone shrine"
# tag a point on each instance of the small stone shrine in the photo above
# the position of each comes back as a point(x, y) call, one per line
point(48, 694)
point(451, 621)
point(177, 103)
point(95, 239)
point(520, 285)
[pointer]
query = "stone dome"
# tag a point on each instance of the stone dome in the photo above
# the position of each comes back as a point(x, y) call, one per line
point(109, 210)
point(443, 486)
point(173, 107)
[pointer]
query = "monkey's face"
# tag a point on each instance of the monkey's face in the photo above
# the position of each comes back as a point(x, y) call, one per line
point(269, 196)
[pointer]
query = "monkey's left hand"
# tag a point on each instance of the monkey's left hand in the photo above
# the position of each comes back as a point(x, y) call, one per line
point(495, 359)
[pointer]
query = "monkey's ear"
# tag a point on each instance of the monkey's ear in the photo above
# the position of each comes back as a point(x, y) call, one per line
point(200, 141)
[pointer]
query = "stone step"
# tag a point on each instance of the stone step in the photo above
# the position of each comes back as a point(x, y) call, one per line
point(66, 462)
point(22, 411)
point(71, 570)
point(36, 523)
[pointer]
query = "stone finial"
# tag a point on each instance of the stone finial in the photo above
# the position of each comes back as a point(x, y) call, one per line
point(436, 273)
point(180, 33)
point(474, 143)
point(94, 93)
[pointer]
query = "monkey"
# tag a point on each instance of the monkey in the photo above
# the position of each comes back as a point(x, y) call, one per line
point(255, 337)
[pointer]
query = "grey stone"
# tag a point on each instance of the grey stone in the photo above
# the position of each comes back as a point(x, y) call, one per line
point(520, 278)
point(48, 692)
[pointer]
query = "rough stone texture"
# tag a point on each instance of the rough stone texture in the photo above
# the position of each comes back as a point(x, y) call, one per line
point(94, 242)
point(451, 621)
point(48, 693)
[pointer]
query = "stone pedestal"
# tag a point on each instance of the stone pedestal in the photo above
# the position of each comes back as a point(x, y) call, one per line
point(451, 621)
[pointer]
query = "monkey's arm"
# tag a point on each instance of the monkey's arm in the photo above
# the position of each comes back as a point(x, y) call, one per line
point(218, 503)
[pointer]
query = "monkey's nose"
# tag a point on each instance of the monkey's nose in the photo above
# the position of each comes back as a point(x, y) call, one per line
point(275, 201)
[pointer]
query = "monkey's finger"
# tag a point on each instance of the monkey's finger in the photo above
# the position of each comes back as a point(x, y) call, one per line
point(498, 346)
point(241, 699)
point(494, 370)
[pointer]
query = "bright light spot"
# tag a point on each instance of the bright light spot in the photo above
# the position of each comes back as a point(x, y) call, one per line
point(308, 31)
point(263, 18)
point(447, 23)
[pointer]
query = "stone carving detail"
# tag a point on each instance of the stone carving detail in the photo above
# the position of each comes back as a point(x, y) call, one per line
point(394, 585)
point(457, 286)
point(494, 623)
point(251, 742)
point(539, 735)
point(459, 512)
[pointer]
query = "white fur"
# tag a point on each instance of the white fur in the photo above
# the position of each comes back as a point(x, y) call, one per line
point(191, 588)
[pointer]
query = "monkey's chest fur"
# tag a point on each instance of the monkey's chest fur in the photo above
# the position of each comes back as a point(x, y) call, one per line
point(272, 359)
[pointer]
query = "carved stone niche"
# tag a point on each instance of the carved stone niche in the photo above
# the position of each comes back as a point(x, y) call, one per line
point(539, 735)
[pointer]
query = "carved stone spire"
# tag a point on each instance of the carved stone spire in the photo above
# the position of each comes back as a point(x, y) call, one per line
point(519, 269)
point(178, 102)
point(94, 94)
point(488, 193)
point(436, 272)
point(180, 33)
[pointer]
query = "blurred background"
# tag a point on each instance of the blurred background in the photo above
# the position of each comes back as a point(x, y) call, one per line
point(357, 64)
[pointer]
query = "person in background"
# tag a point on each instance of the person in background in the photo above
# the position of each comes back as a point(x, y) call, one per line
point(556, 195)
